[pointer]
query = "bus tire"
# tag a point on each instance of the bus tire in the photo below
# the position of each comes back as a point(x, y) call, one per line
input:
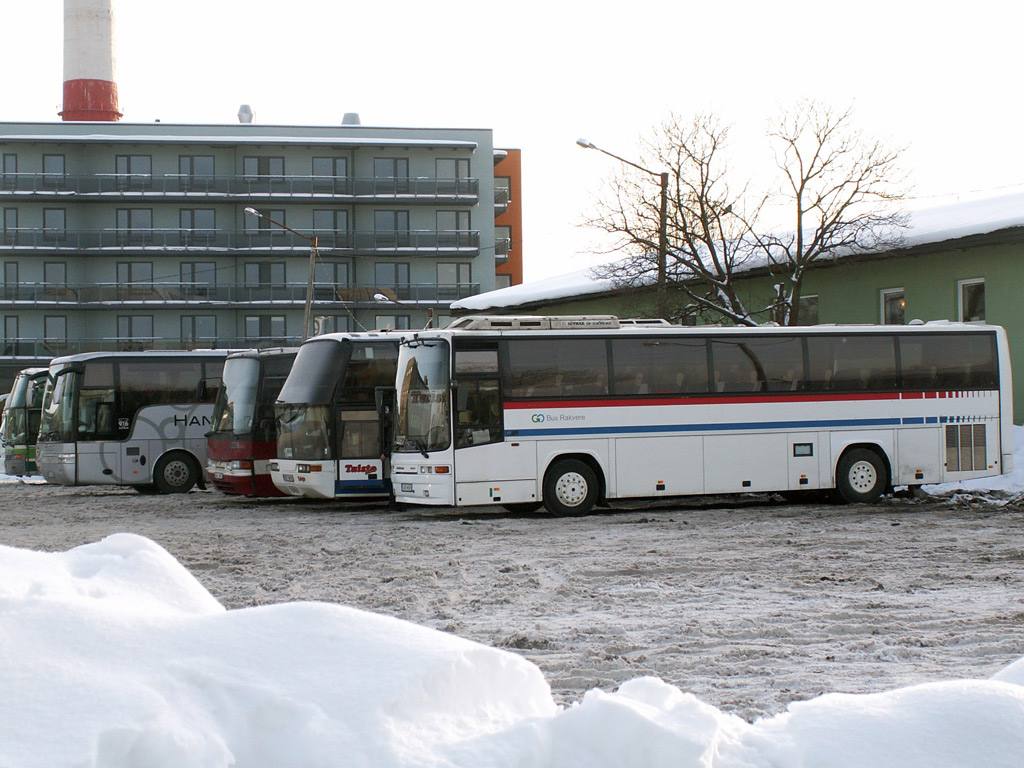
point(570, 488)
point(861, 476)
point(176, 472)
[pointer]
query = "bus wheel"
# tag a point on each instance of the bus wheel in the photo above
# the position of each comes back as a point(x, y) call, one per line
point(861, 476)
point(570, 488)
point(175, 473)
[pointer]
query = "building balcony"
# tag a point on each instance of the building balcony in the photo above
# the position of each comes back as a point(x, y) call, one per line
point(38, 351)
point(256, 241)
point(242, 189)
point(225, 296)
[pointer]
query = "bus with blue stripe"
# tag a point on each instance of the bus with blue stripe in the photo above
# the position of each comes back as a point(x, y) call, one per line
point(332, 435)
point(571, 412)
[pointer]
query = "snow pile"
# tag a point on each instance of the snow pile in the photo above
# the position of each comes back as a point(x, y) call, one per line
point(114, 655)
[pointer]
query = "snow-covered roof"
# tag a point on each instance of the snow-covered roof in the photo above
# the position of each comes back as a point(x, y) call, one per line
point(934, 224)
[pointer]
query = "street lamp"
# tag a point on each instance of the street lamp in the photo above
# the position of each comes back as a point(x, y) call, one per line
point(384, 299)
point(663, 222)
point(313, 254)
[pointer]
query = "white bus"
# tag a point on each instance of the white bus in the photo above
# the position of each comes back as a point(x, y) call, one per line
point(129, 418)
point(331, 436)
point(569, 412)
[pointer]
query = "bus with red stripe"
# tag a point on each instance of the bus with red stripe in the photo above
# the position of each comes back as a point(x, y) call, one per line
point(571, 412)
point(243, 441)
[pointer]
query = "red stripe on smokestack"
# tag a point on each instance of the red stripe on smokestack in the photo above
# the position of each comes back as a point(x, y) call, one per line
point(90, 100)
point(90, 89)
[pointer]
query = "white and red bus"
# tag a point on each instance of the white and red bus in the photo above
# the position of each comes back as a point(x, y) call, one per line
point(331, 435)
point(572, 411)
point(243, 441)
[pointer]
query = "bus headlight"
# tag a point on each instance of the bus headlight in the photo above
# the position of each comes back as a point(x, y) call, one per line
point(441, 469)
point(241, 464)
point(309, 468)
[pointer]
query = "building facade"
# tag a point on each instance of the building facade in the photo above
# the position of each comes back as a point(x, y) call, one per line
point(122, 236)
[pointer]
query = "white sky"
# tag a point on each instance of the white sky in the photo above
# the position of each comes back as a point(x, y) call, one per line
point(938, 78)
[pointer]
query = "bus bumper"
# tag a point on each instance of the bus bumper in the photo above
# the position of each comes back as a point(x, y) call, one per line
point(418, 483)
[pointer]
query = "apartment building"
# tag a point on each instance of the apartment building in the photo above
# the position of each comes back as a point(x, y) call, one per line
point(139, 236)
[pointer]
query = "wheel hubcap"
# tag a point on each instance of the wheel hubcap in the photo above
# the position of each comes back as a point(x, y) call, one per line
point(571, 489)
point(176, 473)
point(863, 477)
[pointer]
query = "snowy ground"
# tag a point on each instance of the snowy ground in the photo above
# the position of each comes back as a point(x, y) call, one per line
point(749, 604)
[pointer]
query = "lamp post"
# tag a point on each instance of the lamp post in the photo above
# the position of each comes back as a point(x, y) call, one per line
point(313, 253)
point(384, 299)
point(662, 223)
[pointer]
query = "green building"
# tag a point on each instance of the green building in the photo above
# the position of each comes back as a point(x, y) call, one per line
point(958, 263)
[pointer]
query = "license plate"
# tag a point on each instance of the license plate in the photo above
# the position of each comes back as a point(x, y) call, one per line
point(406, 487)
point(219, 475)
point(289, 478)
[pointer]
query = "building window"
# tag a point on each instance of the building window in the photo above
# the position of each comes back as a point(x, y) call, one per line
point(9, 169)
point(330, 278)
point(197, 277)
point(452, 228)
point(134, 226)
point(264, 273)
point(198, 226)
point(808, 310)
point(10, 280)
point(393, 276)
point(452, 167)
point(330, 227)
point(392, 322)
point(972, 300)
point(454, 281)
point(391, 175)
point(330, 174)
point(137, 272)
point(502, 281)
point(198, 329)
point(10, 226)
point(502, 240)
point(55, 273)
point(894, 305)
point(54, 224)
point(329, 324)
point(55, 334)
point(133, 171)
point(53, 171)
point(502, 190)
point(196, 172)
point(263, 168)
point(391, 229)
point(134, 332)
point(265, 328)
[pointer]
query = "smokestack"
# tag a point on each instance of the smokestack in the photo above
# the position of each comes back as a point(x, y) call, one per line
point(90, 92)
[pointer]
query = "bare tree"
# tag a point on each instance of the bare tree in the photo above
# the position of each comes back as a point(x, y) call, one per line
point(839, 187)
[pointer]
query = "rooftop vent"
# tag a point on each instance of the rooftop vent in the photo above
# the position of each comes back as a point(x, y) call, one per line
point(351, 118)
point(245, 114)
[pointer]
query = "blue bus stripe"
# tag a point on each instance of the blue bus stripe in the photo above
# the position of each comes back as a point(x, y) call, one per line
point(721, 427)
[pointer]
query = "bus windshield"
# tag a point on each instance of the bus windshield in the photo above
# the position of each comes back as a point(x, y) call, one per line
point(320, 412)
point(235, 406)
point(424, 397)
point(22, 423)
point(59, 409)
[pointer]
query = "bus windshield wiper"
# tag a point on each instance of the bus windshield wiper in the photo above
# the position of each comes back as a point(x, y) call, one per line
point(419, 445)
